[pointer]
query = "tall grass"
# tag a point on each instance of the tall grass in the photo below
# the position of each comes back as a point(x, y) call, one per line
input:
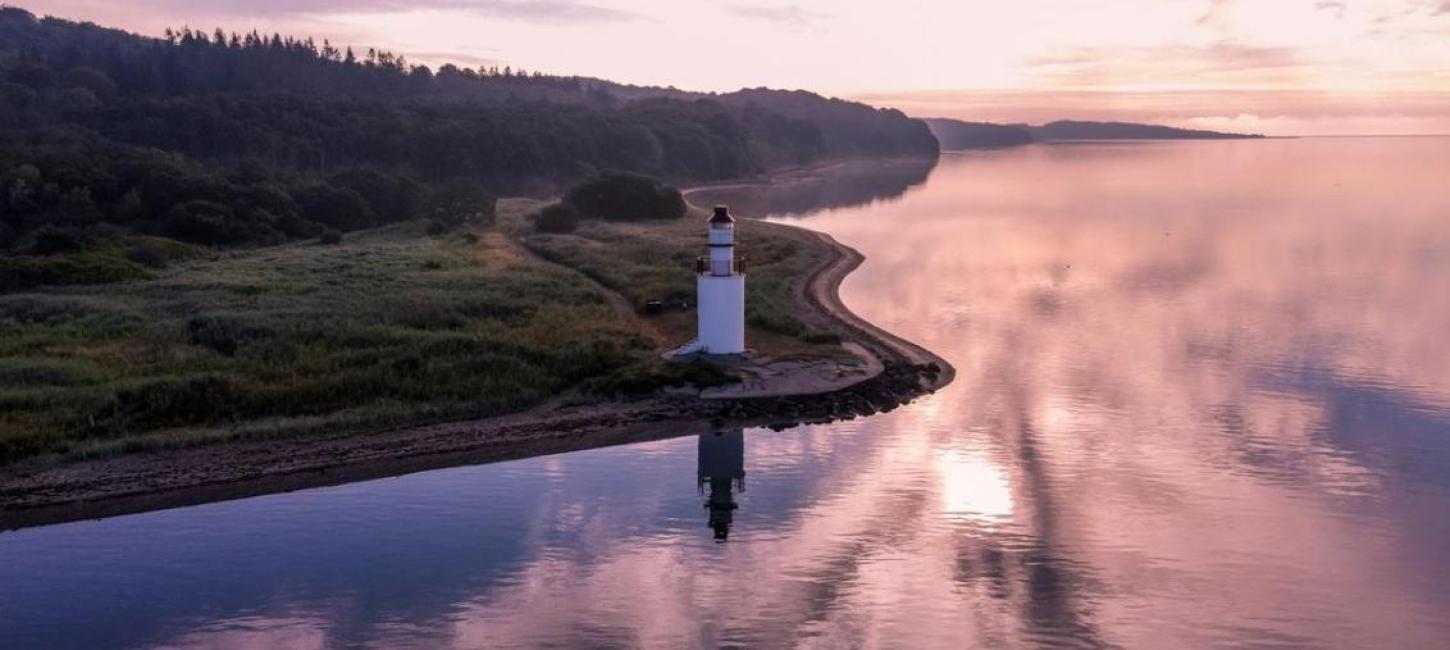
point(655, 261)
point(389, 327)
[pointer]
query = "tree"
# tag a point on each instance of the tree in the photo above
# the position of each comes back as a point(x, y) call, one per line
point(91, 79)
point(626, 196)
point(202, 222)
point(343, 209)
point(36, 76)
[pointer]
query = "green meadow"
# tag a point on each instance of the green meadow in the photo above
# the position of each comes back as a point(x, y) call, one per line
point(391, 327)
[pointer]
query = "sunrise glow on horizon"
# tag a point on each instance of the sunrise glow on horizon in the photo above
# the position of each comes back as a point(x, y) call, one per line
point(1291, 67)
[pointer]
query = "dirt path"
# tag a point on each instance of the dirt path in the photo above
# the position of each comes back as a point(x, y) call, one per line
point(512, 249)
point(823, 291)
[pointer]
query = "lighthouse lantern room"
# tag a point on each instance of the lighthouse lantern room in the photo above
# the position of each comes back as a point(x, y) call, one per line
point(721, 285)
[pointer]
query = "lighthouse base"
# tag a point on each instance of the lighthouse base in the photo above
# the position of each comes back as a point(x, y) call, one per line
point(721, 313)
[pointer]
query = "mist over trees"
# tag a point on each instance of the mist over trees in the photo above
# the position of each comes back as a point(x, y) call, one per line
point(221, 138)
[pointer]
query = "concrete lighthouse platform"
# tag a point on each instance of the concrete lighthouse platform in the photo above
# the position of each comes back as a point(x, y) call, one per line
point(776, 377)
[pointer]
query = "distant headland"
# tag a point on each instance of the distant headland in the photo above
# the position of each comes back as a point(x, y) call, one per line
point(957, 134)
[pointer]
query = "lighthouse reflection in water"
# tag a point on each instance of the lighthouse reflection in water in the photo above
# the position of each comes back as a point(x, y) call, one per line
point(720, 475)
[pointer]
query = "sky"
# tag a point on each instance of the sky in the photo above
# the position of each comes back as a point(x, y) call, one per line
point(1282, 67)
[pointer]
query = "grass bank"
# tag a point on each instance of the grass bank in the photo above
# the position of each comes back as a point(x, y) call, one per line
point(393, 327)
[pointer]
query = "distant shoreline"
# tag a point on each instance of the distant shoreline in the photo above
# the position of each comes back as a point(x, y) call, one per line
point(173, 478)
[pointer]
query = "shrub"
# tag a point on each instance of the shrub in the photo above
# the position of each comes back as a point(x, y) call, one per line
point(330, 237)
point(342, 209)
point(24, 272)
point(159, 252)
point(202, 222)
point(557, 218)
point(436, 227)
point(146, 256)
point(626, 196)
point(50, 240)
point(458, 201)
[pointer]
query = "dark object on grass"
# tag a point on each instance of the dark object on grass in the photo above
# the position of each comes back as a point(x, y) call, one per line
point(436, 227)
point(330, 237)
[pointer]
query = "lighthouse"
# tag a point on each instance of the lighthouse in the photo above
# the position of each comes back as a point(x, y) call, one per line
point(721, 469)
point(721, 288)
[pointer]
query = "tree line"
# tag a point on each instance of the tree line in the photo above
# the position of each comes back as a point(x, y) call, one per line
point(222, 139)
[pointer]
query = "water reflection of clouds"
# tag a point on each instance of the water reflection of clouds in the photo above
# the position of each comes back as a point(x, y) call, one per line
point(1108, 321)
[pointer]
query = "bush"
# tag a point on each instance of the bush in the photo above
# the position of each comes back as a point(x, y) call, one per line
point(158, 252)
point(19, 272)
point(330, 237)
point(557, 218)
point(341, 209)
point(626, 196)
point(436, 227)
point(458, 201)
point(50, 240)
point(146, 256)
point(202, 222)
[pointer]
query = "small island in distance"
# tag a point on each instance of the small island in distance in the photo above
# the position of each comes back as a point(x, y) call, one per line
point(958, 134)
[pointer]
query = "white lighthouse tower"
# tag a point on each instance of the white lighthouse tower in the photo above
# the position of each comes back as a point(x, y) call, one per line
point(721, 286)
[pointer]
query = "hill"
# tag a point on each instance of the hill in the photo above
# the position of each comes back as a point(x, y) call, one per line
point(957, 134)
point(1077, 130)
point(224, 139)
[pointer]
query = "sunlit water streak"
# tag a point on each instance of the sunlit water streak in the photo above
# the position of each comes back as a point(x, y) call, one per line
point(1203, 398)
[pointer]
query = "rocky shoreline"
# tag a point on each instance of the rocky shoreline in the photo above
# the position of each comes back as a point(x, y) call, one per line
point(151, 481)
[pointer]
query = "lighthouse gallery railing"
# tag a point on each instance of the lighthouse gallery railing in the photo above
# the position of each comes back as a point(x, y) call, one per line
point(731, 266)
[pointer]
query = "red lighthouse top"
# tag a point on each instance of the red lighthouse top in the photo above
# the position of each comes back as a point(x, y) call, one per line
point(722, 215)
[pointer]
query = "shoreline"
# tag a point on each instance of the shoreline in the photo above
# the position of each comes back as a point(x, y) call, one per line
point(158, 480)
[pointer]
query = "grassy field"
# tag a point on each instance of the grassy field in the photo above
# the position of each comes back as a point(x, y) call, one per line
point(655, 261)
point(392, 327)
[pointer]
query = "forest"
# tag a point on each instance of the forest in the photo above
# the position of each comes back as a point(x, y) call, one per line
point(120, 152)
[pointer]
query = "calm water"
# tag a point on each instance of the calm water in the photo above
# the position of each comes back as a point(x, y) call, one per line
point(1203, 399)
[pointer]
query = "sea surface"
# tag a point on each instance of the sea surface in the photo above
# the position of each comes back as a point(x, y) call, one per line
point(1202, 400)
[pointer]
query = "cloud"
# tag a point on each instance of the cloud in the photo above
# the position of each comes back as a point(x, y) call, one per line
point(790, 16)
point(1336, 6)
point(1214, 15)
point(537, 11)
point(1276, 112)
point(1177, 65)
point(457, 57)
